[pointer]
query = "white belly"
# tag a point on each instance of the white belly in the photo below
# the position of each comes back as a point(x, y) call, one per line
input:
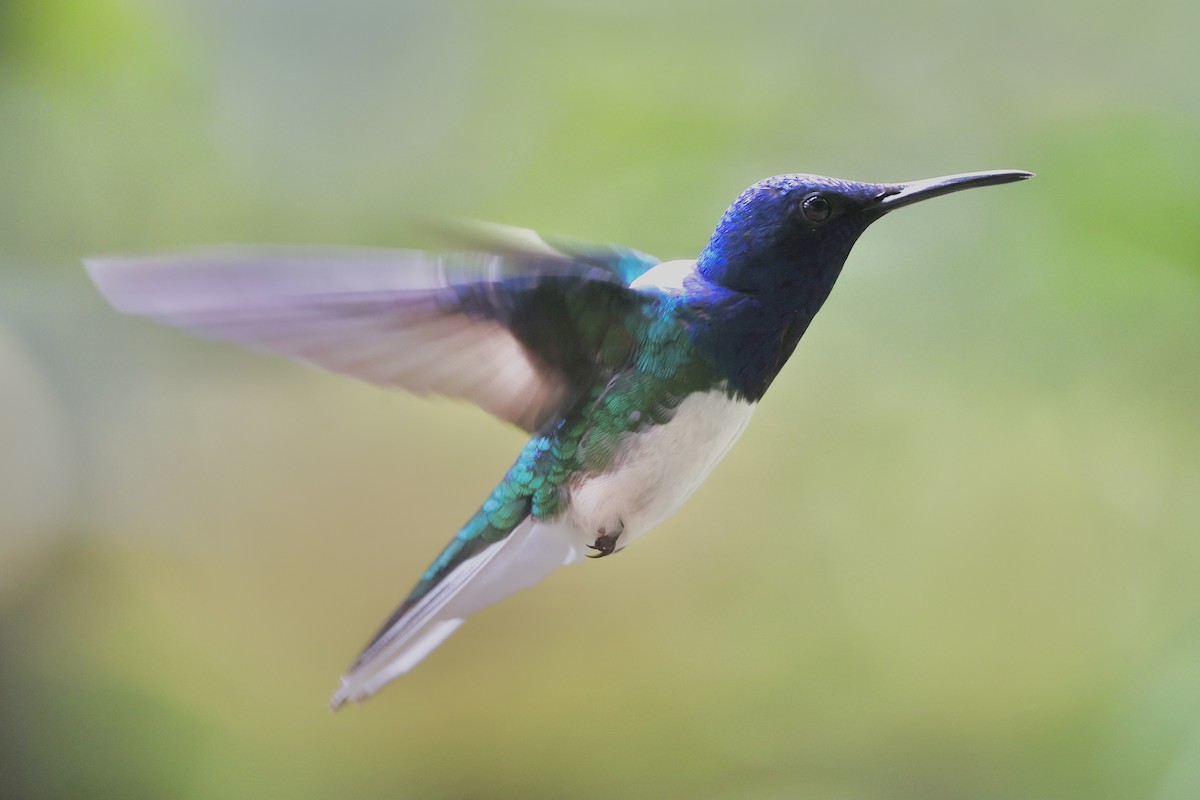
point(658, 469)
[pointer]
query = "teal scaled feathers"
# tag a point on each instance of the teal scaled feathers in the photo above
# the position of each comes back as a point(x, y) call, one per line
point(634, 377)
point(667, 370)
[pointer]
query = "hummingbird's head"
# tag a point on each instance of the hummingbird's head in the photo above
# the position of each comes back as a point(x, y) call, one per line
point(792, 233)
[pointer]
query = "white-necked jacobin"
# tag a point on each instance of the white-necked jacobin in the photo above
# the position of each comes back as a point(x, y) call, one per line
point(633, 376)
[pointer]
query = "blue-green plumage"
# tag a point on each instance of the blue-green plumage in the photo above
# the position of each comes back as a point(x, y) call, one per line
point(649, 365)
point(634, 377)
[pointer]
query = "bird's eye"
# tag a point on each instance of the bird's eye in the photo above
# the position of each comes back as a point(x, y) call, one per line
point(815, 207)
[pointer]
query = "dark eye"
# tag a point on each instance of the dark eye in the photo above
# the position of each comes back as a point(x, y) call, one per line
point(815, 208)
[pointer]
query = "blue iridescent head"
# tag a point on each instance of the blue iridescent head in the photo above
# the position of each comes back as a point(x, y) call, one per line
point(792, 233)
point(775, 257)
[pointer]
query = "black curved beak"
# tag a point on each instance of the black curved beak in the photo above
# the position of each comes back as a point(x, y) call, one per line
point(898, 195)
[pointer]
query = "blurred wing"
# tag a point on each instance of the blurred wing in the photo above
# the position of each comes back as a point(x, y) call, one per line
point(625, 263)
point(495, 330)
point(523, 558)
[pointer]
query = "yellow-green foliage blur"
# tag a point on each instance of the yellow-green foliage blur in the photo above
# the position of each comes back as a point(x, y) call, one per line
point(956, 555)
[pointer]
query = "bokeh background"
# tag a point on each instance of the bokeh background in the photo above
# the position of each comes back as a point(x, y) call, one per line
point(955, 556)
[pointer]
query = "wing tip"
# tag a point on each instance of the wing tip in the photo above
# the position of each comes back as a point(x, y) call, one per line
point(105, 273)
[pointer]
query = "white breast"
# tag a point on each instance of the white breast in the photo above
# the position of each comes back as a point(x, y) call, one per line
point(658, 469)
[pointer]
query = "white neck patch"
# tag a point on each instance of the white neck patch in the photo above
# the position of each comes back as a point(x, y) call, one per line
point(667, 275)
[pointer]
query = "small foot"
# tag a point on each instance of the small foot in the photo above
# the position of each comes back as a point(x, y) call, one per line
point(606, 543)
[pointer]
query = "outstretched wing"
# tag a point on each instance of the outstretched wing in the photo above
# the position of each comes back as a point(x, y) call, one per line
point(506, 331)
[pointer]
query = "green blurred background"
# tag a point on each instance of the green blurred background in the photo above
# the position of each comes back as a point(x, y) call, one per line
point(955, 556)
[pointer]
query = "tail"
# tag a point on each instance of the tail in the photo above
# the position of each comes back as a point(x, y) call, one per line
point(471, 574)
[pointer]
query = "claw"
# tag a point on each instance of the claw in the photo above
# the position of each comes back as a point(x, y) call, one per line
point(606, 543)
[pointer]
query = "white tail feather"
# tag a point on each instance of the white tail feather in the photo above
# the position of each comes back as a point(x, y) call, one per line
point(522, 559)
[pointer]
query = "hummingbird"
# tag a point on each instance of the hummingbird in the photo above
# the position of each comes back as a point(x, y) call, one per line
point(633, 376)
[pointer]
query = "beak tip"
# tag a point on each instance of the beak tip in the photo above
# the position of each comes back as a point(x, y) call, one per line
point(999, 176)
